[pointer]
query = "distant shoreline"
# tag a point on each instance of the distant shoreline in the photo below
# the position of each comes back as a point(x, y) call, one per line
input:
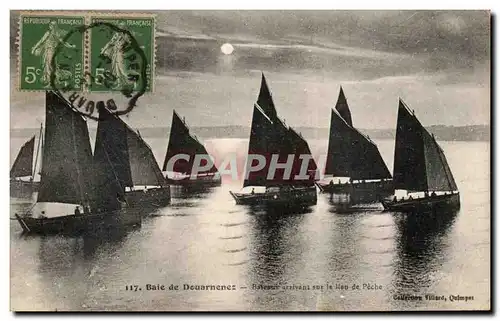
point(442, 132)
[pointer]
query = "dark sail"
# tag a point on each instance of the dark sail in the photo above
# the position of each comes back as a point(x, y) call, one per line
point(265, 100)
point(270, 136)
point(123, 155)
point(302, 148)
point(23, 165)
point(452, 185)
point(66, 175)
point(111, 159)
point(182, 142)
point(409, 156)
point(343, 108)
point(261, 143)
point(143, 166)
point(351, 154)
point(419, 162)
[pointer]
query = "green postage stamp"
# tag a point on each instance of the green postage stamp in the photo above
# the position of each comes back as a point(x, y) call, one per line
point(49, 52)
point(121, 53)
point(101, 52)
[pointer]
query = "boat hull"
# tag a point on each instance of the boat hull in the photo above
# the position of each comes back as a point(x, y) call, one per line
point(77, 224)
point(292, 198)
point(23, 189)
point(154, 197)
point(426, 204)
point(198, 182)
point(367, 192)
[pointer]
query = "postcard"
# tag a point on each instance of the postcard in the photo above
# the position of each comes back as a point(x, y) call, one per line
point(250, 161)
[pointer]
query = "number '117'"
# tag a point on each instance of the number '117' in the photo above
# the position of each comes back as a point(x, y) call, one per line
point(134, 288)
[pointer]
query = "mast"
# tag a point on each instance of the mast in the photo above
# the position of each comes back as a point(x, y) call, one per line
point(66, 172)
point(37, 151)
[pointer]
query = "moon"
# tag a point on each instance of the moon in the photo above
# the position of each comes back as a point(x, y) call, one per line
point(227, 48)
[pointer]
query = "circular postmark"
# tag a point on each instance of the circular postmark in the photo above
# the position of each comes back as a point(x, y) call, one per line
point(119, 69)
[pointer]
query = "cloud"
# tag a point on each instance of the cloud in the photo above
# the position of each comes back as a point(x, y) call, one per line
point(449, 39)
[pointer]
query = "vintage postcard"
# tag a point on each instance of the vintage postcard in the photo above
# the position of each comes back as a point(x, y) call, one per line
point(250, 161)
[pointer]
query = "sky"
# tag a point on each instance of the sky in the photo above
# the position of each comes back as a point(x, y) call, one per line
point(438, 62)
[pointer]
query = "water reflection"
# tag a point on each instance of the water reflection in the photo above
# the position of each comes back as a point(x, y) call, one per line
point(421, 244)
point(183, 197)
point(352, 208)
point(345, 248)
point(276, 247)
point(55, 251)
point(348, 203)
point(187, 192)
point(69, 268)
point(112, 239)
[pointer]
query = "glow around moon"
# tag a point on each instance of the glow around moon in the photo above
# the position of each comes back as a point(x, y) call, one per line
point(227, 48)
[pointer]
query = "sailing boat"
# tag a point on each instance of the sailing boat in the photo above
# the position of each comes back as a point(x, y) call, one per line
point(121, 153)
point(420, 166)
point(67, 177)
point(181, 141)
point(23, 167)
point(353, 156)
point(269, 136)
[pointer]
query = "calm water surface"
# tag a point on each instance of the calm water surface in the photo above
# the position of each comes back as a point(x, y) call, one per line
point(205, 239)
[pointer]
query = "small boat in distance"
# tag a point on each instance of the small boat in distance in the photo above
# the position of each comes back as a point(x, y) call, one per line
point(181, 141)
point(25, 167)
point(68, 179)
point(122, 153)
point(420, 169)
point(354, 166)
point(272, 140)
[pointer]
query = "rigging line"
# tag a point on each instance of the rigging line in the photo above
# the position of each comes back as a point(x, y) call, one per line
point(41, 163)
point(37, 150)
point(263, 113)
point(32, 206)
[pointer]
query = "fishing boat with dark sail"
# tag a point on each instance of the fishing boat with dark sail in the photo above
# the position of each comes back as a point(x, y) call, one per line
point(122, 153)
point(68, 180)
point(24, 169)
point(421, 170)
point(185, 153)
point(291, 186)
point(354, 165)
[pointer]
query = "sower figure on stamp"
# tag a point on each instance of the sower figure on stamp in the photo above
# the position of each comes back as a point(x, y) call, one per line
point(115, 51)
point(46, 47)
